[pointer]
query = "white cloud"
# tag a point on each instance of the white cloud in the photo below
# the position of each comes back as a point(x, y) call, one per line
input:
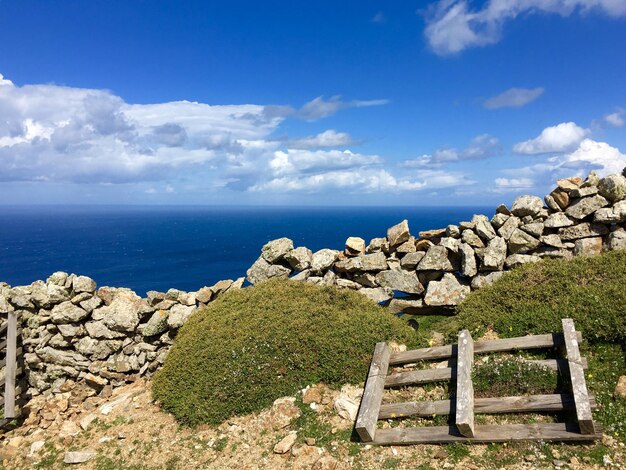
point(453, 26)
point(329, 138)
point(513, 184)
point(599, 156)
point(615, 119)
point(319, 107)
point(513, 98)
point(560, 138)
point(294, 161)
point(481, 147)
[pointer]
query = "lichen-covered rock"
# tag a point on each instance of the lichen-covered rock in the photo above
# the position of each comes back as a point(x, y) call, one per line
point(617, 240)
point(514, 261)
point(378, 244)
point(58, 278)
point(178, 315)
point(276, 250)
point(588, 246)
point(482, 280)
point(204, 295)
point(157, 323)
point(97, 329)
point(407, 247)
point(377, 294)
point(398, 234)
point(585, 206)
point(67, 312)
point(453, 231)
point(535, 229)
point(508, 227)
point(323, 259)
point(499, 219)
point(400, 280)
point(448, 291)
point(63, 358)
point(299, 258)
point(494, 255)
point(364, 263)
point(522, 242)
point(355, 246)
point(261, 271)
point(558, 220)
point(468, 260)
point(123, 312)
point(483, 227)
point(527, 205)
point(583, 230)
point(436, 259)
point(613, 187)
point(469, 236)
point(411, 260)
point(83, 284)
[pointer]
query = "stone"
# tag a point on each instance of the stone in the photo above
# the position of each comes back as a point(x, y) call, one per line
point(508, 227)
point(72, 331)
point(448, 291)
point(584, 192)
point(365, 279)
point(569, 184)
point(154, 297)
point(592, 180)
point(58, 278)
point(581, 208)
point(522, 242)
point(355, 246)
point(81, 456)
point(453, 231)
point(469, 236)
point(558, 220)
point(451, 244)
point(91, 304)
point(86, 420)
point(286, 443)
point(347, 283)
point(377, 294)
point(5, 306)
point(326, 462)
point(222, 286)
point(97, 329)
point(551, 203)
point(347, 403)
point(407, 247)
point(178, 315)
point(552, 240)
point(189, 298)
point(494, 255)
point(502, 209)
point(122, 314)
point(400, 305)
point(535, 229)
point(311, 395)
point(436, 259)
point(261, 271)
point(433, 234)
point(398, 234)
point(498, 220)
point(94, 381)
point(483, 227)
point(283, 412)
point(62, 358)
point(322, 260)
point(588, 246)
point(561, 198)
point(301, 276)
point(157, 323)
point(513, 261)
point(527, 205)
point(617, 240)
point(401, 280)
point(276, 250)
point(620, 388)
point(364, 263)
point(78, 298)
point(299, 258)
point(83, 284)
point(411, 260)
point(482, 280)
point(613, 187)
point(204, 295)
point(35, 447)
point(378, 244)
point(584, 230)
point(67, 312)
point(468, 260)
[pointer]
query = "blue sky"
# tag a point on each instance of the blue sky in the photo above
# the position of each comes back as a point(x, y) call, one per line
point(438, 102)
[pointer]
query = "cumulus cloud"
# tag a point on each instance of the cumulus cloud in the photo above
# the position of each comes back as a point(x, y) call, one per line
point(615, 119)
point(513, 98)
point(560, 138)
point(329, 138)
point(319, 107)
point(453, 25)
point(513, 184)
point(294, 161)
point(599, 156)
point(481, 147)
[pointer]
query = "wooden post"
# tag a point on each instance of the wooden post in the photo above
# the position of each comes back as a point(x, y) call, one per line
point(11, 366)
point(464, 386)
point(577, 377)
point(367, 418)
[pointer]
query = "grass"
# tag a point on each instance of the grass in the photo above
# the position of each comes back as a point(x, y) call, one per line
point(257, 344)
point(501, 377)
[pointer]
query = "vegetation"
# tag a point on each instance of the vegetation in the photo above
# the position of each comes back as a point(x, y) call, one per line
point(254, 345)
point(535, 297)
point(513, 377)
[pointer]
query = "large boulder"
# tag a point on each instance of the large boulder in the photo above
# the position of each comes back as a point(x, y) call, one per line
point(613, 187)
point(123, 312)
point(261, 271)
point(157, 323)
point(323, 259)
point(585, 206)
point(299, 258)
point(527, 205)
point(584, 230)
point(276, 250)
point(448, 291)
point(67, 312)
point(436, 259)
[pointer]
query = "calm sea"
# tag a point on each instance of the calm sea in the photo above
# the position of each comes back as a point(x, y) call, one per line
point(156, 248)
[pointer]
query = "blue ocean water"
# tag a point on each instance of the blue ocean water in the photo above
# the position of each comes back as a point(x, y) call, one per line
point(157, 248)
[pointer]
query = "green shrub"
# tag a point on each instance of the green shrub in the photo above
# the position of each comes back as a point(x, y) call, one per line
point(535, 297)
point(254, 345)
point(502, 377)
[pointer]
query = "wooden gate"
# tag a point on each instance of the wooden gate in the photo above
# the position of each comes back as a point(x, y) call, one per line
point(9, 355)
point(464, 406)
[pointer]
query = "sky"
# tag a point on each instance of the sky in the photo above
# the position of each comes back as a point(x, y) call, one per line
point(424, 102)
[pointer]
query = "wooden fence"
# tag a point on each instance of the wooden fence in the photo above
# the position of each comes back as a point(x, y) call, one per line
point(465, 405)
point(10, 355)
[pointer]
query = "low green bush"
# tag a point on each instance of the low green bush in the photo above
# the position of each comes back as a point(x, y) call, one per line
point(503, 377)
point(256, 344)
point(535, 297)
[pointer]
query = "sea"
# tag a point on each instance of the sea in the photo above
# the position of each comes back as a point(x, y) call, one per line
point(183, 247)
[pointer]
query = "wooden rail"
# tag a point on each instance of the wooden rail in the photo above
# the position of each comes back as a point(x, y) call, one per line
point(464, 405)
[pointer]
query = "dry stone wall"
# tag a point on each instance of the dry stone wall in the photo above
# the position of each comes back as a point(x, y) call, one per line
point(74, 332)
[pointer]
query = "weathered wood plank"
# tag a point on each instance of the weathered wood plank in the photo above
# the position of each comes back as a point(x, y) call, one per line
point(577, 377)
point(464, 419)
point(367, 417)
point(480, 347)
point(521, 404)
point(484, 433)
point(423, 376)
point(11, 367)
point(3, 361)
